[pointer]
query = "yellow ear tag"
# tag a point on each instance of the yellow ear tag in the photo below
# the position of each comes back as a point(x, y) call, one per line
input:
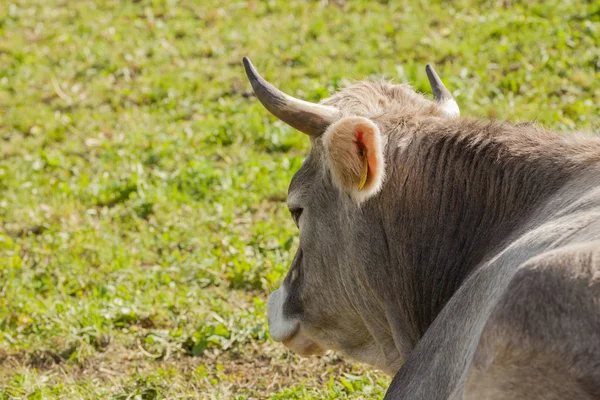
point(363, 178)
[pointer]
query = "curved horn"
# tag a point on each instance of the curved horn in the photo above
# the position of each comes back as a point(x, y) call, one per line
point(442, 95)
point(309, 118)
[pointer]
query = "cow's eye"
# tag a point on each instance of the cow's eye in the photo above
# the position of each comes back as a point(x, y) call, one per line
point(296, 213)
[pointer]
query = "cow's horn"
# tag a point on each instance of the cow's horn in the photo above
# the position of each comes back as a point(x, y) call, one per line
point(442, 95)
point(309, 118)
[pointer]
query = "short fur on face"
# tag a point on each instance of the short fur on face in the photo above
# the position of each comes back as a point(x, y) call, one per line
point(347, 142)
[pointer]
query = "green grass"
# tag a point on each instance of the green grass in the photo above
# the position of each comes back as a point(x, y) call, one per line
point(142, 187)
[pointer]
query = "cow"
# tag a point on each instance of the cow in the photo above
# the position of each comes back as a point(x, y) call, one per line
point(459, 255)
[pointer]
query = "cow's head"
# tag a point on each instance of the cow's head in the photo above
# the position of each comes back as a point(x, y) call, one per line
point(328, 299)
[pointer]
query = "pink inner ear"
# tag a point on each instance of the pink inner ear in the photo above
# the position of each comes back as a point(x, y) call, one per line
point(359, 135)
point(360, 144)
point(365, 141)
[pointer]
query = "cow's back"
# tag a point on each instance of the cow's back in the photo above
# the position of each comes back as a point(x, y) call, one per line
point(543, 339)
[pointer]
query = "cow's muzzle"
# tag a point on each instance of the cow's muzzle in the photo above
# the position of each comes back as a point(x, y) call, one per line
point(288, 330)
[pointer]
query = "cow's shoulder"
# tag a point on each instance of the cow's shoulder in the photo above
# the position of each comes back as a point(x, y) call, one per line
point(543, 338)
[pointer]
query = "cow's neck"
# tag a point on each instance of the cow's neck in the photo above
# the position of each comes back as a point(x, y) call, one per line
point(459, 195)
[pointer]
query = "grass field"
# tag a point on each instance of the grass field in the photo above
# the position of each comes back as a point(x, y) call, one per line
point(142, 186)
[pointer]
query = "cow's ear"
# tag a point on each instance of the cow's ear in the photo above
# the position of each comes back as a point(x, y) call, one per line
point(354, 152)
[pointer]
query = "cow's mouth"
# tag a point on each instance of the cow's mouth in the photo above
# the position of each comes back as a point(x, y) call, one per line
point(288, 330)
point(302, 345)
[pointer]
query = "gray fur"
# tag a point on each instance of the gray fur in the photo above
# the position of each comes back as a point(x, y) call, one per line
point(474, 273)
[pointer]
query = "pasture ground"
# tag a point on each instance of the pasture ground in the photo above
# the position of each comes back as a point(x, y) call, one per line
point(142, 186)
